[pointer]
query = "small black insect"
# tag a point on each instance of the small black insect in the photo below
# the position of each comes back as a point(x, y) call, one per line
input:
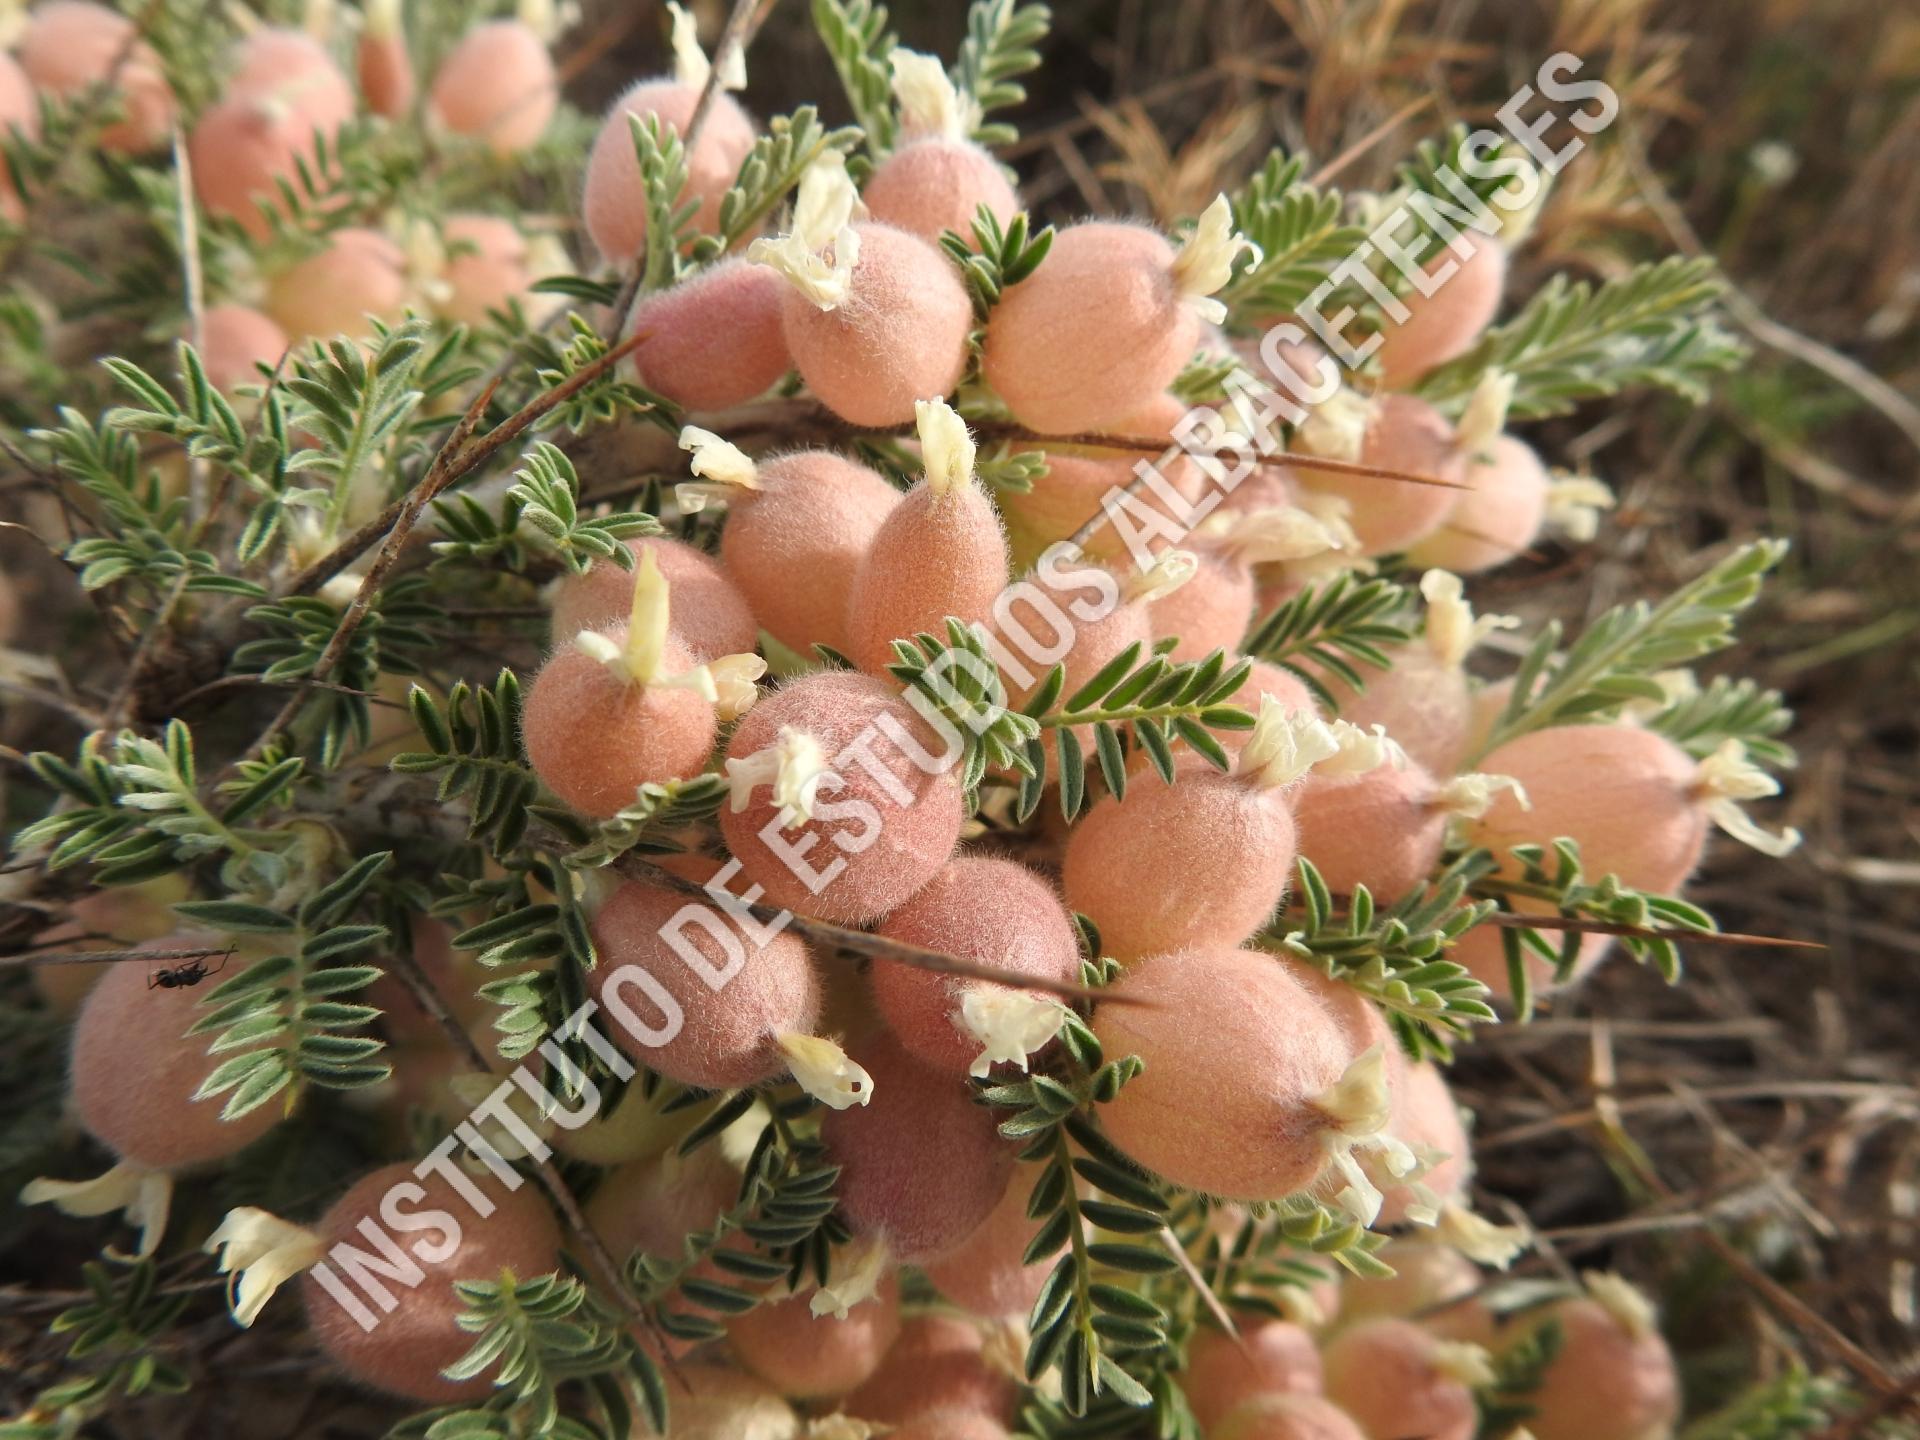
point(190, 972)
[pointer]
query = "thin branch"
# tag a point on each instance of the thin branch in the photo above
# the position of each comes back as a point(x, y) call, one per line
point(1147, 446)
point(860, 942)
point(1514, 921)
point(458, 465)
point(440, 474)
point(741, 24)
point(594, 1251)
point(98, 957)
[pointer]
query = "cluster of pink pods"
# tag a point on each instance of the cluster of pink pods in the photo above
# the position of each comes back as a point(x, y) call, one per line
point(1418, 1354)
point(1264, 1078)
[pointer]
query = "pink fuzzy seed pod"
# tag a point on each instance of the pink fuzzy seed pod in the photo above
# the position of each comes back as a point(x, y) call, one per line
point(1637, 804)
point(1621, 792)
point(1080, 478)
point(716, 339)
point(594, 740)
point(712, 1402)
point(837, 811)
point(235, 341)
point(710, 616)
point(612, 712)
point(1213, 610)
point(72, 46)
point(1384, 829)
point(938, 179)
point(798, 527)
point(937, 184)
point(614, 200)
point(937, 1366)
point(19, 103)
point(290, 69)
point(1268, 1357)
point(736, 1002)
point(1242, 1064)
point(1424, 700)
point(497, 86)
point(1200, 862)
point(405, 1353)
point(1444, 325)
point(988, 1274)
point(135, 1071)
point(1106, 322)
point(238, 150)
point(360, 273)
point(650, 1206)
point(1205, 859)
point(1079, 616)
point(1396, 1380)
point(939, 553)
point(1288, 1417)
point(994, 912)
point(922, 1166)
point(1494, 520)
point(891, 333)
point(1409, 436)
point(808, 1356)
point(383, 62)
point(1614, 1376)
point(951, 1425)
point(486, 268)
point(1432, 1284)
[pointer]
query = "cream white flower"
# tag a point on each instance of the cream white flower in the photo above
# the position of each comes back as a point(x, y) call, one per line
point(1359, 752)
point(1171, 570)
point(690, 64)
point(1452, 628)
point(265, 1251)
point(946, 446)
point(1470, 796)
point(1205, 261)
point(1009, 1024)
point(722, 466)
point(1486, 413)
point(736, 687)
point(1284, 745)
point(1282, 533)
point(1357, 1103)
point(1459, 1360)
point(794, 765)
point(637, 657)
point(930, 106)
point(857, 1271)
point(145, 1195)
point(819, 255)
point(825, 1071)
point(1574, 506)
point(1724, 780)
point(1336, 428)
point(1623, 1301)
point(1478, 1238)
